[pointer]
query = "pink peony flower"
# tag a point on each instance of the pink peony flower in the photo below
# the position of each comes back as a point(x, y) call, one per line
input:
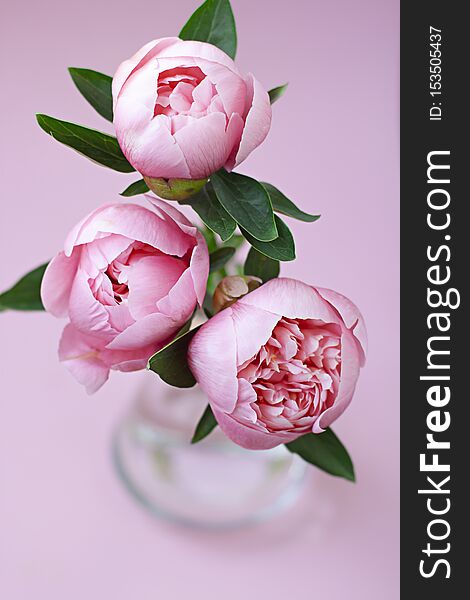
point(128, 279)
point(280, 362)
point(182, 110)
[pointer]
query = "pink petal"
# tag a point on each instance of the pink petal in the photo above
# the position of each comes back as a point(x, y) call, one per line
point(246, 396)
point(199, 50)
point(207, 142)
point(351, 316)
point(203, 92)
point(199, 266)
point(249, 437)
point(154, 329)
point(150, 279)
point(253, 328)
point(146, 140)
point(135, 106)
point(180, 302)
point(350, 366)
point(231, 88)
point(128, 360)
point(199, 263)
point(97, 255)
point(141, 57)
point(81, 358)
point(119, 316)
point(152, 150)
point(134, 222)
point(165, 209)
point(181, 98)
point(257, 122)
point(292, 299)
point(86, 313)
point(212, 359)
point(57, 283)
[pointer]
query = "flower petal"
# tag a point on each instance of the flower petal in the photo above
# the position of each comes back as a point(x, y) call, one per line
point(351, 316)
point(207, 142)
point(153, 330)
point(134, 222)
point(150, 280)
point(81, 358)
point(212, 358)
point(350, 366)
point(57, 283)
point(193, 49)
point(87, 314)
point(292, 299)
point(249, 437)
point(258, 119)
point(140, 58)
point(253, 328)
point(181, 300)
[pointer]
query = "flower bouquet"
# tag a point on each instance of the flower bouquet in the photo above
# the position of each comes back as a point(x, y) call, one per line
point(277, 359)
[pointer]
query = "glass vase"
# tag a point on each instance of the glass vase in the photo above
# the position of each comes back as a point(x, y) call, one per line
point(212, 484)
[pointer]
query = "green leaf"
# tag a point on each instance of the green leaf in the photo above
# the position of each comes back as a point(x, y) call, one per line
point(236, 241)
point(171, 364)
point(211, 212)
point(207, 306)
point(136, 188)
point(213, 22)
point(209, 236)
point(96, 89)
point(283, 205)
point(207, 423)
point(247, 201)
point(26, 293)
point(325, 451)
point(187, 326)
point(282, 248)
point(220, 257)
point(261, 266)
point(99, 147)
point(277, 92)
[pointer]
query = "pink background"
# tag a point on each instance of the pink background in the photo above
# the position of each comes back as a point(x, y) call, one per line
point(67, 528)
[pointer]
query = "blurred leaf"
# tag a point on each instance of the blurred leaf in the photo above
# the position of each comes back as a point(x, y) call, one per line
point(207, 423)
point(261, 266)
point(325, 451)
point(247, 201)
point(171, 364)
point(283, 205)
point(209, 236)
point(99, 147)
point(236, 241)
point(277, 92)
point(220, 257)
point(282, 248)
point(26, 293)
point(213, 22)
point(136, 188)
point(207, 306)
point(96, 89)
point(211, 212)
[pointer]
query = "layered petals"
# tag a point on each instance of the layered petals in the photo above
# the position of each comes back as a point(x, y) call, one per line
point(128, 280)
point(280, 362)
point(182, 110)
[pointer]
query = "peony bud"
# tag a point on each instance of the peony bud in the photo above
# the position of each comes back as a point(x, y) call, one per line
point(182, 109)
point(233, 287)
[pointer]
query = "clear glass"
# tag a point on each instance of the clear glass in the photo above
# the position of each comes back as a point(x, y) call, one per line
point(212, 484)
